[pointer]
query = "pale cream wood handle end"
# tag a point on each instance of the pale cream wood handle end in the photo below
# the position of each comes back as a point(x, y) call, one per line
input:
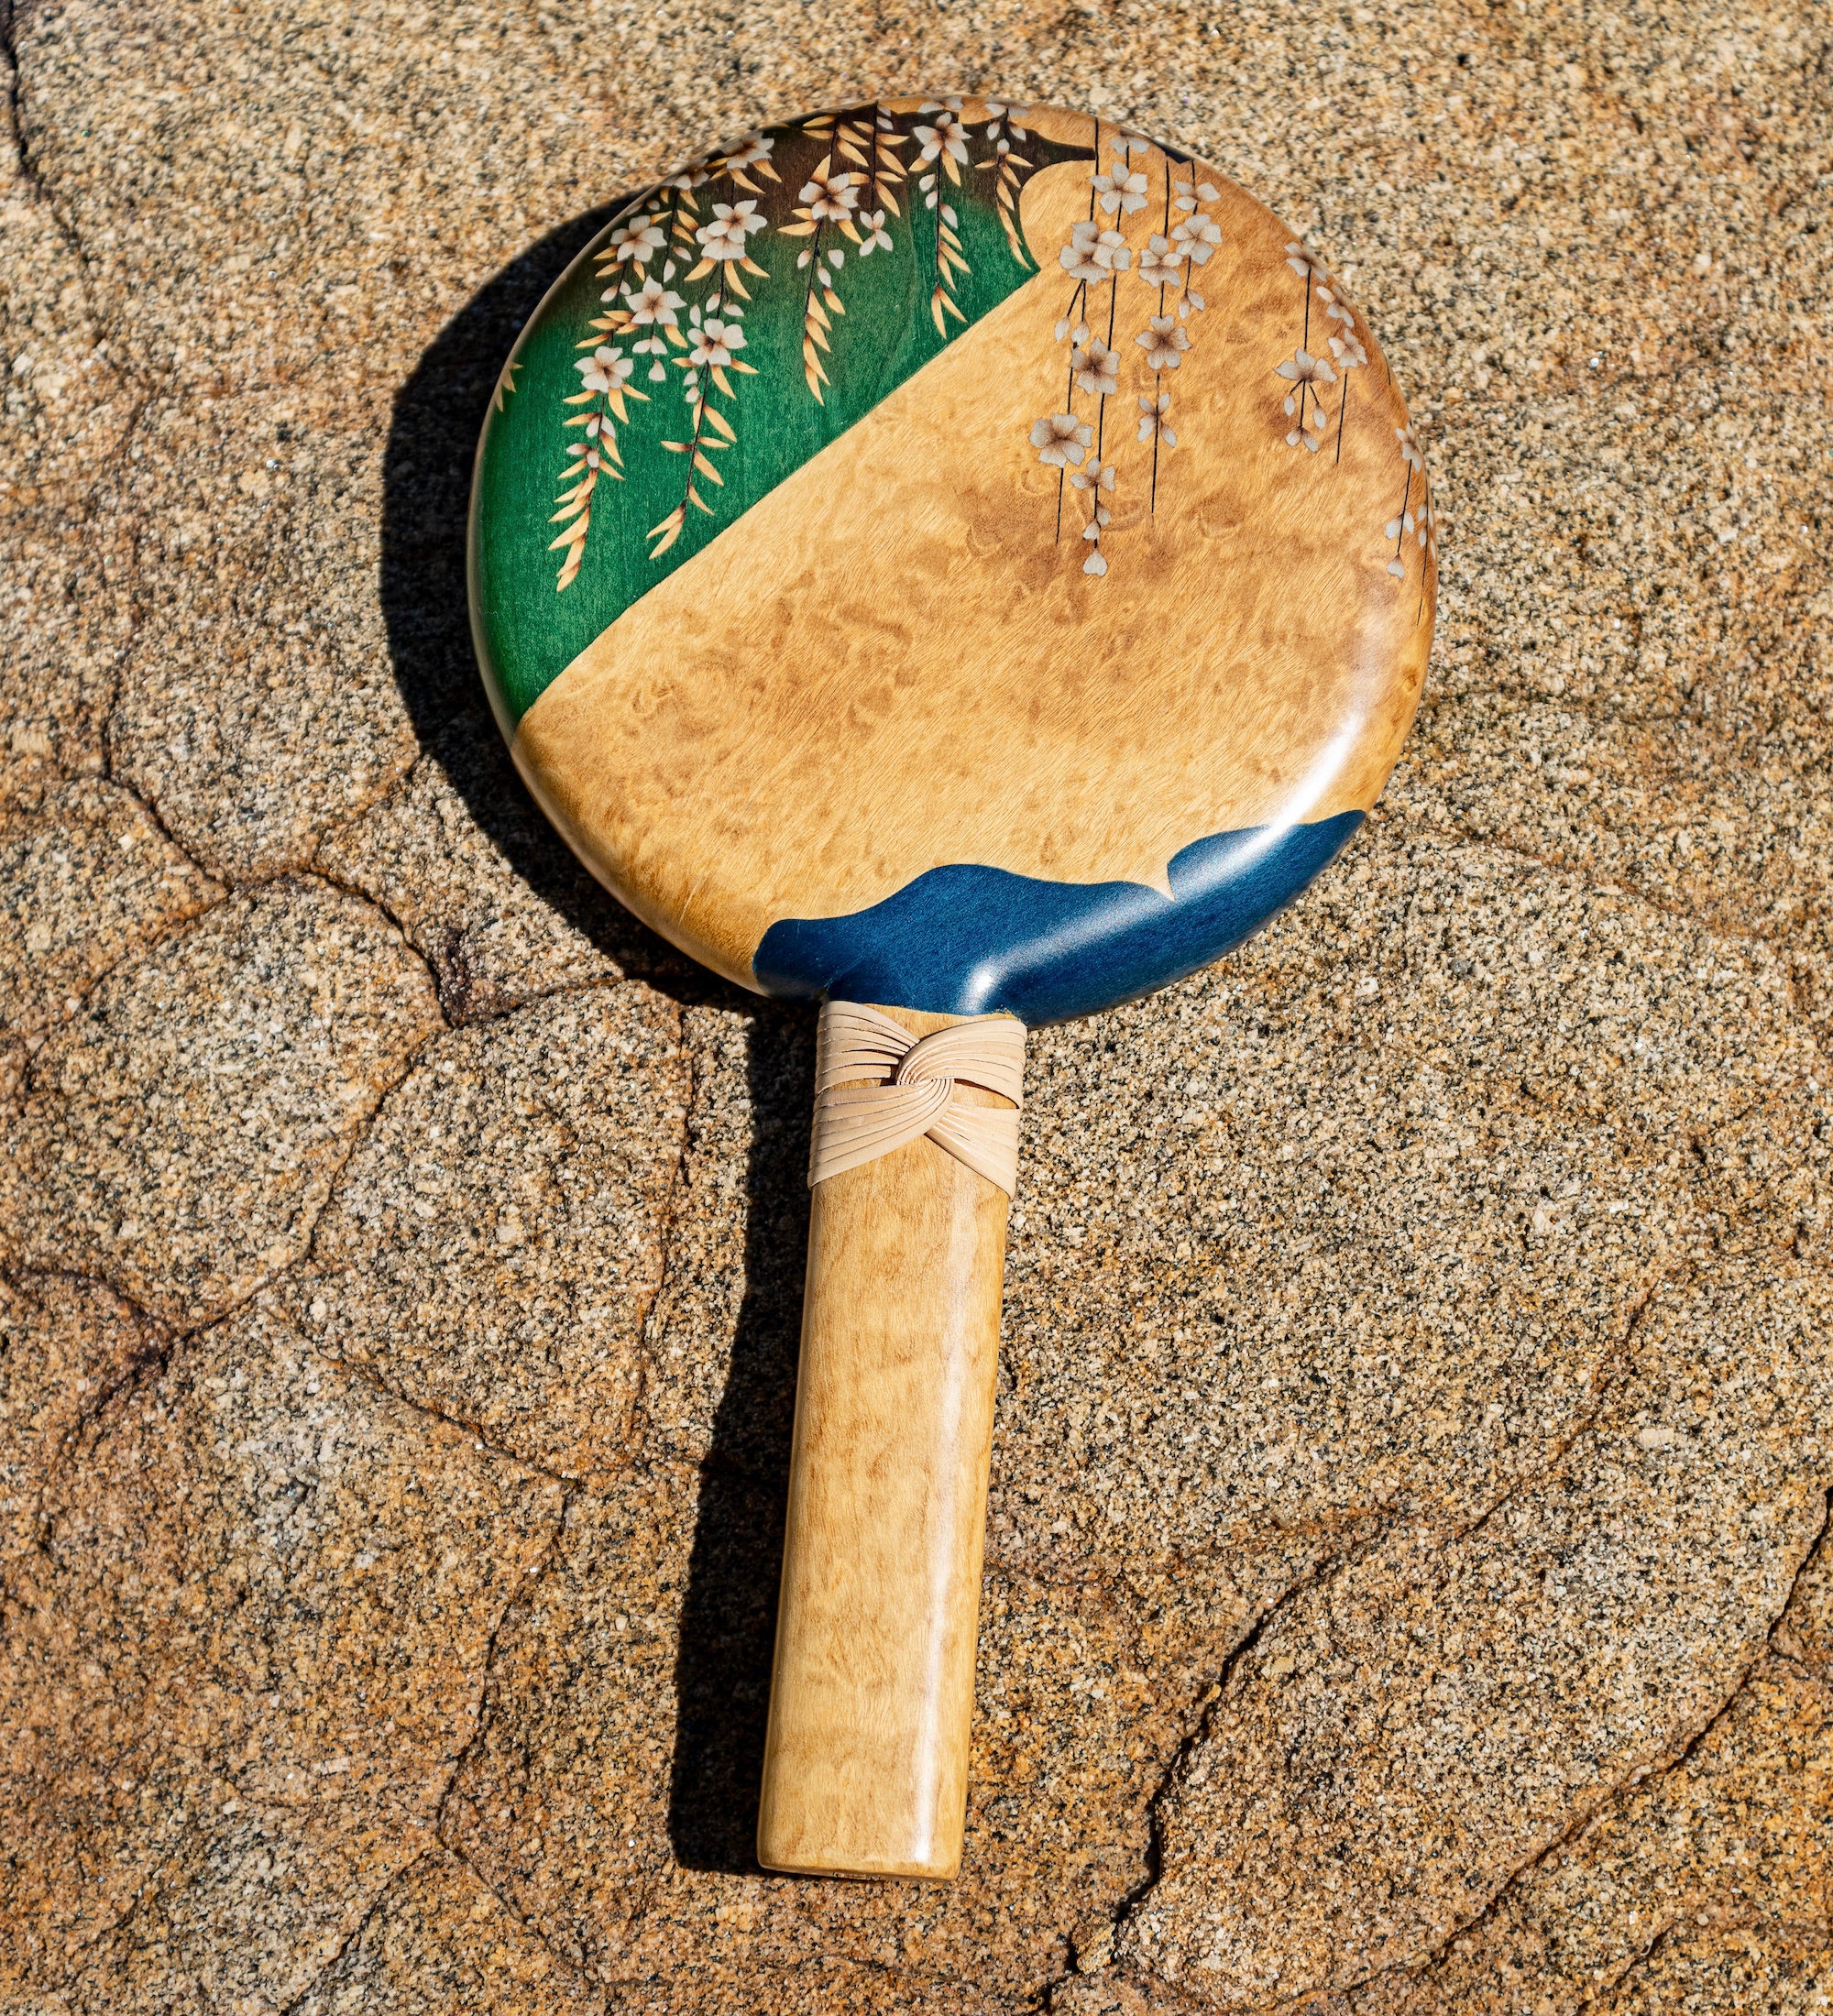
point(866, 1759)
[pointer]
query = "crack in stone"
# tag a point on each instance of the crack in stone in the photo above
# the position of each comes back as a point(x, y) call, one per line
point(1730, 1700)
point(151, 1361)
point(111, 774)
point(518, 1598)
point(13, 16)
point(1593, 709)
point(308, 1255)
point(1203, 1712)
point(1820, 1540)
point(136, 623)
point(155, 1889)
point(561, 989)
point(529, 1926)
point(456, 1017)
point(331, 1173)
point(356, 1931)
point(17, 1276)
point(1635, 1964)
point(1604, 1381)
point(1460, 835)
point(181, 926)
point(1542, 1099)
point(367, 1377)
point(396, 788)
point(373, 903)
point(1330, 1570)
point(1113, 1595)
point(1632, 1783)
point(150, 1893)
point(77, 999)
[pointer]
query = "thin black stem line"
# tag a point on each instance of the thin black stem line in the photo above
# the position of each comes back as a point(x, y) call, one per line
point(1069, 394)
point(814, 271)
point(1406, 496)
point(1158, 421)
point(693, 446)
point(1076, 300)
point(1342, 409)
point(1158, 418)
point(704, 379)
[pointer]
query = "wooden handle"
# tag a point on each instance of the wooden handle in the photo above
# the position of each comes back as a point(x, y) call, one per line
point(865, 1762)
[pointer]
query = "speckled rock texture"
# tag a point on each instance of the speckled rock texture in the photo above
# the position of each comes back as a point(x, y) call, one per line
point(1409, 1586)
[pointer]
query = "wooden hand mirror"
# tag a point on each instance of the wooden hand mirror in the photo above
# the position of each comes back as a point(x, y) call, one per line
point(966, 564)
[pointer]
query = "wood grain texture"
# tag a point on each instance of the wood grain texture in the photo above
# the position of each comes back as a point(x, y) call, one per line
point(893, 663)
point(866, 1767)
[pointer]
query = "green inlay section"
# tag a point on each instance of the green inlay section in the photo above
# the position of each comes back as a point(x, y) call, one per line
point(527, 628)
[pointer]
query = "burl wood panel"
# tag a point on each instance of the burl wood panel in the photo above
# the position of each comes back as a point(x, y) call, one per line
point(892, 663)
point(866, 1767)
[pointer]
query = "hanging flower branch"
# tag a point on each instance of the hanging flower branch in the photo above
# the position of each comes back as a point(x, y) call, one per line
point(829, 196)
point(1402, 522)
point(715, 333)
point(714, 338)
point(604, 391)
point(1410, 520)
point(1307, 373)
point(1195, 235)
point(1095, 477)
point(888, 175)
point(945, 142)
point(594, 453)
point(679, 276)
point(1007, 180)
point(685, 210)
point(1095, 257)
point(1172, 253)
point(1349, 351)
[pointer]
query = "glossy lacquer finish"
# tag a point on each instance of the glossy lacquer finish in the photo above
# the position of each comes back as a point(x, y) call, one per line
point(971, 559)
point(1012, 618)
point(865, 1769)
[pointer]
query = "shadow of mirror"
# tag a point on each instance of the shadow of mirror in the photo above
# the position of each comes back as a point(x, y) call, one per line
point(728, 1612)
point(426, 489)
point(729, 1615)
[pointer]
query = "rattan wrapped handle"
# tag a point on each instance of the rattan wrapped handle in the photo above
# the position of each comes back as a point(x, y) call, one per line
point(865, 1763)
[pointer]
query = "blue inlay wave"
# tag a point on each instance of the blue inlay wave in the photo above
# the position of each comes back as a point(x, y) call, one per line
point(967, 940)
